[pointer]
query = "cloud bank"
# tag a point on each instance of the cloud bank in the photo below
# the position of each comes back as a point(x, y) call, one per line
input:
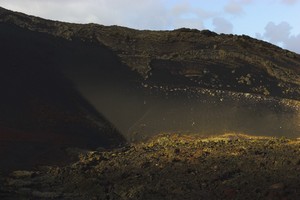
point(280, 34)
point(154, 14)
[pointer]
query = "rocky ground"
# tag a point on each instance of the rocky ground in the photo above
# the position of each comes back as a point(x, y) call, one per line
point(231, 166)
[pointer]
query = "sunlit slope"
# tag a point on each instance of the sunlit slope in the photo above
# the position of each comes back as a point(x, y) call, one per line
point(231, 166)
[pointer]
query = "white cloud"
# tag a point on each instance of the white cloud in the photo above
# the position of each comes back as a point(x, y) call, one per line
point(280, 34)
point(277, 33)
point(190, 23)
point(222, 25)
point(108, 12)
point(233, 8)
point(185, 15)
point(138, 14)
point(293, 43)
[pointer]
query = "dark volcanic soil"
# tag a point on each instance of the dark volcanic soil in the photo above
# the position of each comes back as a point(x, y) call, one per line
point(69, 85)
point(79, 79)
point(230, 166)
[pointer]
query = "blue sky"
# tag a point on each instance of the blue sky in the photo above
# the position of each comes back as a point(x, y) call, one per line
point(276, 21)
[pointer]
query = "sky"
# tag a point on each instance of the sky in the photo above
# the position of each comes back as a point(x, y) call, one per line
point(275, 21)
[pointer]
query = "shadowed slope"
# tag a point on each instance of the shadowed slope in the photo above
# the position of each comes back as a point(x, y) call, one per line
point(146, 82)
point(186, 57)
point(41, 110)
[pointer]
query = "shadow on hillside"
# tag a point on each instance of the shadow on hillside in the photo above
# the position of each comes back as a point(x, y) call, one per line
point(42, 106)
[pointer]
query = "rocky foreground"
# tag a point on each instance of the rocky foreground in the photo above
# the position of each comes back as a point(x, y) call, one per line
point(231, 166)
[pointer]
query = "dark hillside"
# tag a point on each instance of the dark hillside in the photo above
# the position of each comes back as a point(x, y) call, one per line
point(132, 114)
point(88, 85)
point(185, 56)
point(38, 101)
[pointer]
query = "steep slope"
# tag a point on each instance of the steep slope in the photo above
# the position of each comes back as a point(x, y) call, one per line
point(69, 85)
point(187, 57)
point(148, 82)
point(41, 110)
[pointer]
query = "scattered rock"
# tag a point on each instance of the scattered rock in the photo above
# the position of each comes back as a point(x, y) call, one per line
point(171, 167)
point(277, 186)
point(23, 174)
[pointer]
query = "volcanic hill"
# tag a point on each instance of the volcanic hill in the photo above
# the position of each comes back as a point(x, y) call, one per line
point(87, 85)
point(67, 89)
point(184, 56)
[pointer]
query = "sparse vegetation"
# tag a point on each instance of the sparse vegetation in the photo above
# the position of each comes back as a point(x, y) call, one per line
point(132, 72)
point(231, 166)
point(140, 49)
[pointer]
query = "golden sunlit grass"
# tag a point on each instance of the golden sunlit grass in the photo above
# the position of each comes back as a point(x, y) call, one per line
point(185, 167)
point(192, 138)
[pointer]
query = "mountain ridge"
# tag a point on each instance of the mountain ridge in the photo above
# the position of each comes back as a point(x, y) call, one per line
point(89, 86)
point(144, 114)
point(197, 58)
